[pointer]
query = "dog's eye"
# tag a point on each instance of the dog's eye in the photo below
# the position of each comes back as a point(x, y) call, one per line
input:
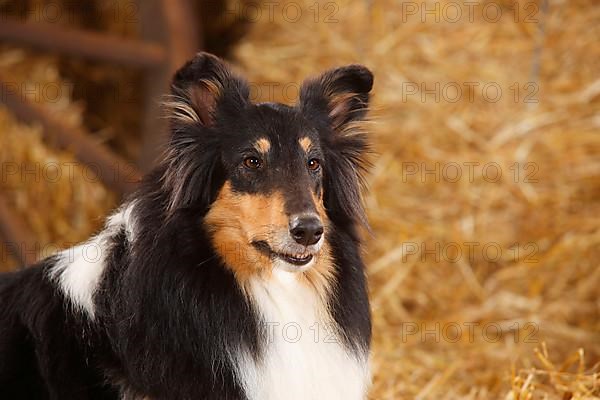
point(314, 164)
point(252, 162)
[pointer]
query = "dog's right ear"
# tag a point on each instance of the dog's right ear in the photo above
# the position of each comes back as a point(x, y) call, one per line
point(204, 88)
point(204, 91)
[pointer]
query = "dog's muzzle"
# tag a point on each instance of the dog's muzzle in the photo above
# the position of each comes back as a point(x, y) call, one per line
point(294, 250)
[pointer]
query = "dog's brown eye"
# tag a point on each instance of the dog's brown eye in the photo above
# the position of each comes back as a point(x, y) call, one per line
point(314, 164)
point(252, 163)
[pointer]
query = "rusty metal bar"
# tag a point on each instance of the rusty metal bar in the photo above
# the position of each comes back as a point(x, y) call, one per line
point(113, 170)
point(84, 43)
point(19, 241)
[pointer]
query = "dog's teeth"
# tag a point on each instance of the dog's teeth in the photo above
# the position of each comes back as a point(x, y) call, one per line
point(299, 256)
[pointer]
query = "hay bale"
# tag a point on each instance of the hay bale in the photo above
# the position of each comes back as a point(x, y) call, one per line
point(493, 266)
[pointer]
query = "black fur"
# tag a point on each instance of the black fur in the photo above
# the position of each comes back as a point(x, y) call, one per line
point(167, 311)
point(46, 350)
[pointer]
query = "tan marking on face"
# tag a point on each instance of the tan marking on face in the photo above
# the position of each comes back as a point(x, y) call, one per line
point(237, 219)
point(262, 145)
point(305, 143)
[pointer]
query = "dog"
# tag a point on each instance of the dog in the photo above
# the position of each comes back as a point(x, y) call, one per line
point(234, 271)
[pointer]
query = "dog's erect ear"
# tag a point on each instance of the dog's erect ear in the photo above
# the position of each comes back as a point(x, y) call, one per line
point(202, 88)
point(203, 92)
point(337, 102)
point(341, 94)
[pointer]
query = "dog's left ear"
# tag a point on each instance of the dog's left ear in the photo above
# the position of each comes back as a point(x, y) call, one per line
point(338, 101)
point(341, 94)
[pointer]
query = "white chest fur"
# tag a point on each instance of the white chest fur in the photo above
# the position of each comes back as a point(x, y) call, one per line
point(305, 359)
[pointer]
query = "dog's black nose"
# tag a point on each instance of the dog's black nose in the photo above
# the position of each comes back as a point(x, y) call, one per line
point(306, 229)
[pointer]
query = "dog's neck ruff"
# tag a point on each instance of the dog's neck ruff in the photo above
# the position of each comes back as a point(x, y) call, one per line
point(305, 357)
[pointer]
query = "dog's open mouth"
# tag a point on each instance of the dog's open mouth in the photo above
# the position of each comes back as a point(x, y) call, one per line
point(297, 259)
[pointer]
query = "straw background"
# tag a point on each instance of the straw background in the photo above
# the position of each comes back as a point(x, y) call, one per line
point(483, 286)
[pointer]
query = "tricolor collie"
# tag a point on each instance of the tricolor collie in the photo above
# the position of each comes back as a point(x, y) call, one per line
point(234, 272)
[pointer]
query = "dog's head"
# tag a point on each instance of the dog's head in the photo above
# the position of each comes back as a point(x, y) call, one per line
point(272, 179)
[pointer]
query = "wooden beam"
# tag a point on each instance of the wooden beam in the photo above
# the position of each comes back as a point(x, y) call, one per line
point(174, 24)
point(113, 170)
point(82, 43)
point(183, 32)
